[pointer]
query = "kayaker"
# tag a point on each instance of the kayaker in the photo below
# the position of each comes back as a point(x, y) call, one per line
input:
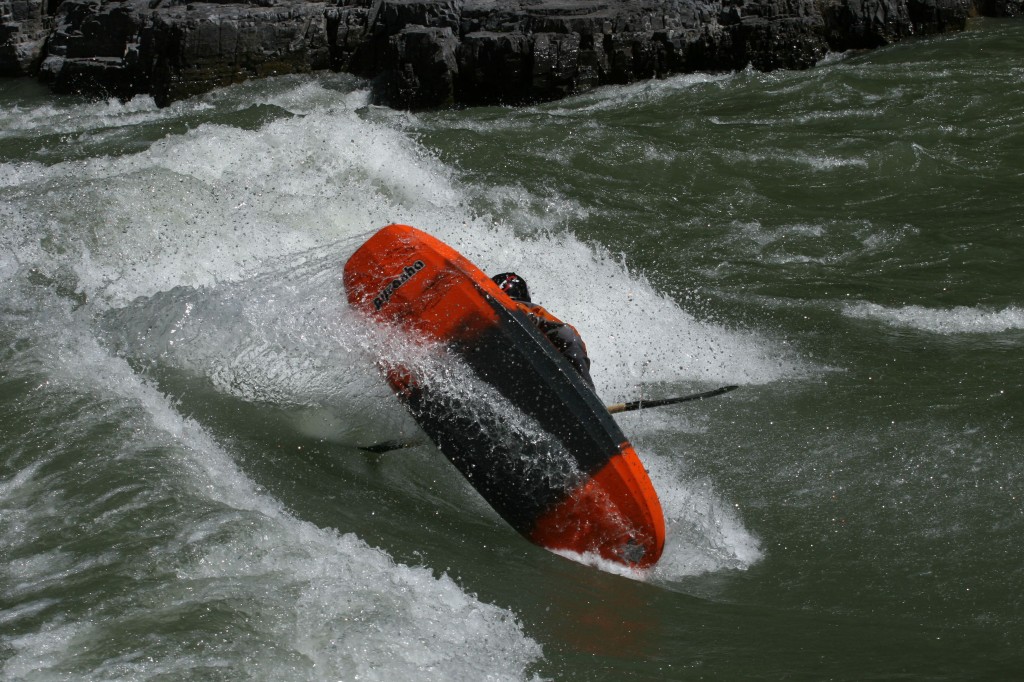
point(562, 335)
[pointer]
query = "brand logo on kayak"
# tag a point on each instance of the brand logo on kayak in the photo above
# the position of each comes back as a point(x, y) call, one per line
point(408, 272)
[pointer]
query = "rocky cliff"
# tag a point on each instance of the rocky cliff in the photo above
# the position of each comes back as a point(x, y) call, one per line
point(432, 53)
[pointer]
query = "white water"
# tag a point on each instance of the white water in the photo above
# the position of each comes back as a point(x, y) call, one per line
point(302, 586)
point(217, 253)
point(956, 320)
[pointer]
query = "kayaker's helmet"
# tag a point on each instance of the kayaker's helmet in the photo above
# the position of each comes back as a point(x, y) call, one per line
point(513, 285)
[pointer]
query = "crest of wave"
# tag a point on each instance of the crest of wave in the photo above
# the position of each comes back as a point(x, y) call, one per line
point(958, 320)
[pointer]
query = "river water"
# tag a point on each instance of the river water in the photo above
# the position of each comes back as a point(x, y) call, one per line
point(183, 389)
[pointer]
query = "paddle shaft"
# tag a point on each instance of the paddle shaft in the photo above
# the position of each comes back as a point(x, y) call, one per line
point(390, 445)
point(644, 404)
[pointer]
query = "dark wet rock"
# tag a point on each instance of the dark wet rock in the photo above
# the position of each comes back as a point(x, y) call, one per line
point(422, 67)
point(435, 53)
point(24, 27)
point(121, 49)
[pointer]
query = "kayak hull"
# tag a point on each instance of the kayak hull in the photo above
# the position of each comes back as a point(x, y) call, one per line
point(565, 477)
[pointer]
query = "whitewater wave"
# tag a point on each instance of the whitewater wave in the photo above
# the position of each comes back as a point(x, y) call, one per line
point(958, 320)
point(195, 535)
point(216, 254)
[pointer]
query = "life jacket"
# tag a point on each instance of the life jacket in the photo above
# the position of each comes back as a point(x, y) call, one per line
point(563, 336)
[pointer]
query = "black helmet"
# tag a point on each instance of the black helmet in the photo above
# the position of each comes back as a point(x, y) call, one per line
point(513, 285)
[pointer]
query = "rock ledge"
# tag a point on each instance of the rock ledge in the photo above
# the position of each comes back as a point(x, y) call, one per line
point(436, 53)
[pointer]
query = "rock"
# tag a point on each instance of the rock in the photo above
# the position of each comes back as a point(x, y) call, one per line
point(435, 53)
point(123, 48)
point(999, 8)
point(494, 68)
point(421, 69)
point(24, 27)
point(92, 49)
point(191, 49)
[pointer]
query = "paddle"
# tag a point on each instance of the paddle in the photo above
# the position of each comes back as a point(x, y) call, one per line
point(644, 404)
point(389, 445)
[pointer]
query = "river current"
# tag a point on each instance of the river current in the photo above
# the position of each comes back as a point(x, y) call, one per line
point(183, 389)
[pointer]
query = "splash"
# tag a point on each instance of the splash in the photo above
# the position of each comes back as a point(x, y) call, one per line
point(213, 257)
point(706, 531)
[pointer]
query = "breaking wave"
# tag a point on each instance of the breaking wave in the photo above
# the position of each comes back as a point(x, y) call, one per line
point(958, 320)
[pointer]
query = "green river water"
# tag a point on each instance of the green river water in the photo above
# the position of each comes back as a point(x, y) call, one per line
point(183, 389)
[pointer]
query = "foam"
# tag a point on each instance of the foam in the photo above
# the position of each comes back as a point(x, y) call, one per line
point(76, 117)
point(217, 252)
point(635, 335)
point(705, 532)
point(41, 650)
point(828, 243)
point(621, 96)
point(813, 161)
point(368, 619)
point(216, 203)
point(957, 320)
point(337, 606)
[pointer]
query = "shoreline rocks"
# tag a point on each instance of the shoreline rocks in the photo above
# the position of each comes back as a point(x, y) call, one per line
point(436, 53)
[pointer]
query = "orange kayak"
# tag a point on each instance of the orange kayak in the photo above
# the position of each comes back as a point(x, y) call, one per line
point(581, 487)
